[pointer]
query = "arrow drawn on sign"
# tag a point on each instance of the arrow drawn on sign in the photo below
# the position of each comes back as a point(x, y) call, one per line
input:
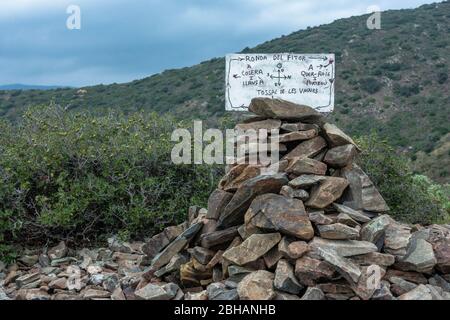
point(331, 85)
point(318, 58)
point(228, 82)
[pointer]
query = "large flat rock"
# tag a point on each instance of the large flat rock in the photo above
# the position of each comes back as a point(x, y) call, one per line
point(281, 109)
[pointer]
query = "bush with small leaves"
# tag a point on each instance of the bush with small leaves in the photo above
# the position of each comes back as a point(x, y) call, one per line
point(72, 176)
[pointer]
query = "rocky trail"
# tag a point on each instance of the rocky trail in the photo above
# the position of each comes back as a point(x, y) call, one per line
point(317, 229)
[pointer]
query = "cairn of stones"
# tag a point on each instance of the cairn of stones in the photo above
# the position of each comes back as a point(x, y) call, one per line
point(316, 229)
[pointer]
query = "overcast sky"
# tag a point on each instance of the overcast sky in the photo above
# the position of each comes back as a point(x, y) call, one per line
point(123, 40)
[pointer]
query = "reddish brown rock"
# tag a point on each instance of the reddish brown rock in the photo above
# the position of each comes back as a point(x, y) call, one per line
point(299, 126)
point(309, 271)
point(218, 237)
point(273, 212)
point(338, 231)
point(252, 248)
point(442, 253)
point(281, 109)
point(267, 124)
point(341, 156)
point(233, 213)
point(327, 192)
point(298, 135)
point(231, 183)
point(301, 166)
point(257, 285)
point(336, 136)
point(217, 202)
point(308, 148)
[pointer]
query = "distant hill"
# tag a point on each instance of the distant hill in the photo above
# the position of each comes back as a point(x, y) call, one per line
point(393, 81)
point(18, 86)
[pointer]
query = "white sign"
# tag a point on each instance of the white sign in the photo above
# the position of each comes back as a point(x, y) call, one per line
point(306, 79)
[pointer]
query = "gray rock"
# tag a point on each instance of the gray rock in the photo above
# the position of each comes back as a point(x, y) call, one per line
point(345, 267)
point(384, 292)
point(362, 193)
point(437, 293)
point(283, 110)
point(289, 192)
point(217, 202)
point(358, 216)
point(374, 230)
point(29, 260)
point(252, 248)
point(273, 212)
point(218, 237)
point(313, 293)
point(58, 252)
point(267, 124)
point(238, 175)
point(327, 192)
point(161, 240)
point(298, 135)
point(176, 246)
point(3, 295)
point(401, 286)
point(419, 257)
point(309, 271)
point(272, 257)
point(299, 126)
point(439, 281)
point(341, 156)
point(218, 291)
point(27, 279)
point(336, 136)
point(157, 292)
point(237, 273)
point(257, 285)
point(233, 213)
point(380, 259)
point(202, 255)
point(306, 181)
point(319, 218)
point(283, 296)
point(421, 292)
point(309, 166)
point(308, 148)
point(348, 221)
point(111, 282)
point(117, 245)
point(337, 231)
point(396, 239)
point(285, 279)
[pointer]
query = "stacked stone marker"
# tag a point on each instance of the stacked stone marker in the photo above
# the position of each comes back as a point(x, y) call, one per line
point(314, 230)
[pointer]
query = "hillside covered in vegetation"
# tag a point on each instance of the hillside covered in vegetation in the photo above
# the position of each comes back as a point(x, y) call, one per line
point(393, 81)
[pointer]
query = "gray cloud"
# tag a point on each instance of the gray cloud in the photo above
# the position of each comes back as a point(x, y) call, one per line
point(122, 40)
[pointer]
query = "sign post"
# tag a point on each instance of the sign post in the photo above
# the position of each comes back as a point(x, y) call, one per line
point(306, 79)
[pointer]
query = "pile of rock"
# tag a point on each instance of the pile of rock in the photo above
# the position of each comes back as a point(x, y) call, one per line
point(61, 273)
point(316, 229)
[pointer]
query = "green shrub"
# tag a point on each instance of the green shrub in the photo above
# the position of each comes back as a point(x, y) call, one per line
point(406, 90)
point(66, 175)
point(371, 85)
point(442, 77)
point(412, 198)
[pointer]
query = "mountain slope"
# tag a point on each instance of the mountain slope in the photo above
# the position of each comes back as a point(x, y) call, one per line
point(19, 86)
point(393, 81)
